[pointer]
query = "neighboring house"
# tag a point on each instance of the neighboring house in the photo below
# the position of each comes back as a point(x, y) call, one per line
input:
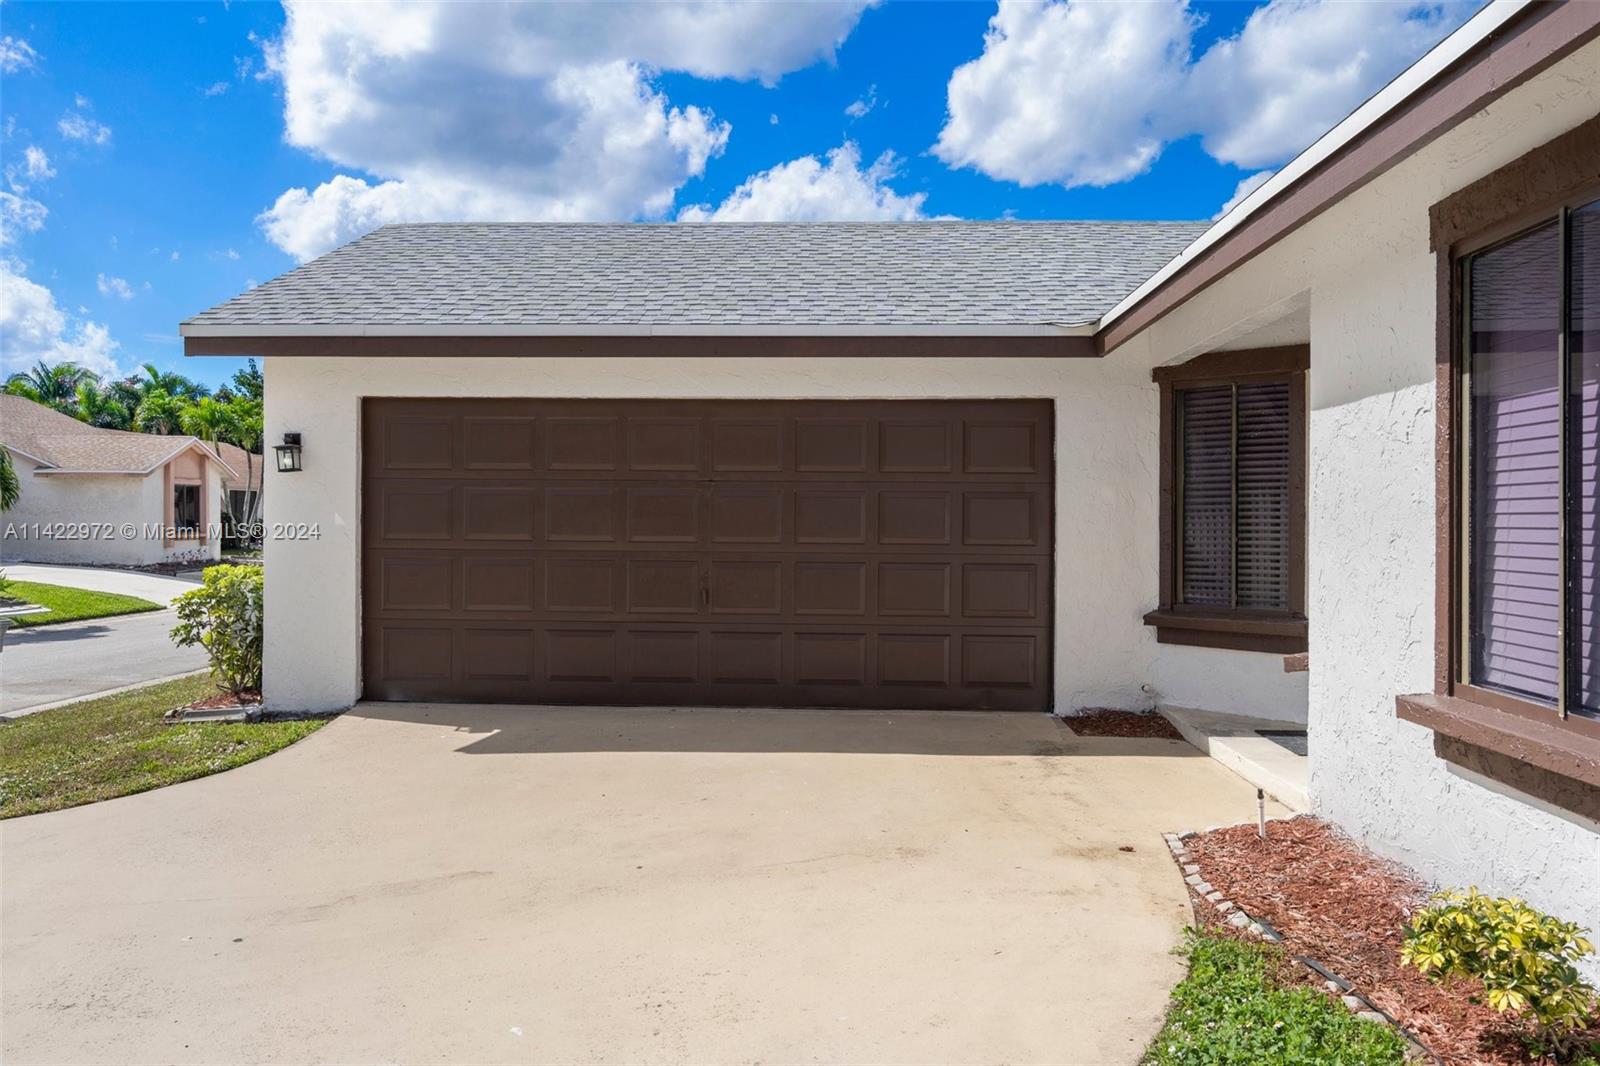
point(92, 495)
point(1009, 465)
point(243, 488)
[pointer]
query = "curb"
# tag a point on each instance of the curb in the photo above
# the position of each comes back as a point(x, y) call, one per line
point(25, 712)
point(1236, 916)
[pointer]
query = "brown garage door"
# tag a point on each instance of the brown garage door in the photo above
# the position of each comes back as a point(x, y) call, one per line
point(829, 554)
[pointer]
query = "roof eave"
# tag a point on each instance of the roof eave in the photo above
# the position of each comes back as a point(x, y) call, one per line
point(1017, 329)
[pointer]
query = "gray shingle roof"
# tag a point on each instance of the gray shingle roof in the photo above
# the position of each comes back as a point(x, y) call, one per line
point(549, 277)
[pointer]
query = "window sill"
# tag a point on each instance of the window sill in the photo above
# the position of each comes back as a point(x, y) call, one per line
point(1278, 634)
point(1553, 746)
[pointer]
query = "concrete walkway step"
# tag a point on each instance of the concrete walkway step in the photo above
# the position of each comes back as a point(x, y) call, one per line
point(1236, 741)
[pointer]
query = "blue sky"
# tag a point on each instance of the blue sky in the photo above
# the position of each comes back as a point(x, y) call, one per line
point(160, 158)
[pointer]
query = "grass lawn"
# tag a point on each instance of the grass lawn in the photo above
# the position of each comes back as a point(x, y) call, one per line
point(1232, 1008)
point(72, 605)
point(117, 745)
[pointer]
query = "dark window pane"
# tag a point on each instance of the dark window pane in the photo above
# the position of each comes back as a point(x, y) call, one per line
point(1514, 594)
point(186, 506)
point(1263, 471)
point(1206, 440)
point(1584, 430)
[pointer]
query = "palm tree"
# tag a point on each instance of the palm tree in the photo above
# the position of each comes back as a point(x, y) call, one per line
point(126, 391)
point(99, 407)
point(248, 429)
point(208, 420)
point(175, 385)
point(54, 386)
point(10, 487)
point(159, 412)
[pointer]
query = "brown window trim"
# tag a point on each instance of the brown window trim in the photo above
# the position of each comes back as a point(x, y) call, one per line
point(1503, 731)
point(1276, 632)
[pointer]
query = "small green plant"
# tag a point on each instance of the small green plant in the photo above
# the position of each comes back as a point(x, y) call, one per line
point(5, 586)
point(1526, 960)
point(224, 616)
point(1233, 1010)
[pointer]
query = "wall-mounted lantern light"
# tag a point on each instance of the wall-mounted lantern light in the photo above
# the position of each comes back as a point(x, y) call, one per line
point(288, 453)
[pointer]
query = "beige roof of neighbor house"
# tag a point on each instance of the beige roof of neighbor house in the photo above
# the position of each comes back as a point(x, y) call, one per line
point(242, 463)
point(62, 444)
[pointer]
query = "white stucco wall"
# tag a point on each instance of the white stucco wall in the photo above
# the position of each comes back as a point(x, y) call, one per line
point(1365, 270)
point(1213, 679)
point(89, 503)
point(1106, 444)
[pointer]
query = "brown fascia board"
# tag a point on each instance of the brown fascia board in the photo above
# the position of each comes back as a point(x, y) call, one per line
point(672, 347)
point(1543, 35)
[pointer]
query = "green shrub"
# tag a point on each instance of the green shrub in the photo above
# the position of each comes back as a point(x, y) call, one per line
point(1231, 1010)
point(224, 616)
point(1526, 960)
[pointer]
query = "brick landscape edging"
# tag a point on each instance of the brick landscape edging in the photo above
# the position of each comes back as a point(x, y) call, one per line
point(1236, 916)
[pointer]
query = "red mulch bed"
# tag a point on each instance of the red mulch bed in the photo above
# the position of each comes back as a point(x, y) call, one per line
point(1108, 723)
point(1345, 908)
point(224, 699)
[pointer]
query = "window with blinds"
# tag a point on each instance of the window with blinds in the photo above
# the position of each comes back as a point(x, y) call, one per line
point(1234, 495)
point(1532, 424)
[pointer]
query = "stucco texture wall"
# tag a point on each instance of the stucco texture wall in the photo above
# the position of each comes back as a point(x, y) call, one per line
point(1366, 277)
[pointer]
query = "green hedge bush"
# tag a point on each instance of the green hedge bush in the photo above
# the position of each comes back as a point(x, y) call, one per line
point(224, 616)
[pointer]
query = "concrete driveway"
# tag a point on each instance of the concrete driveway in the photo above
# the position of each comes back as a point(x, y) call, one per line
point(449, 884)
point(157, 588)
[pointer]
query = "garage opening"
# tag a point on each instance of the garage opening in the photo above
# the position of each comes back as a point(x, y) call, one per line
point(878, 554)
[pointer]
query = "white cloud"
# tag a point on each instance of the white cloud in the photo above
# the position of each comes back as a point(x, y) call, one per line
point(1246, 186)
point(860, 107)
point(19, 215)
point(1079, 93)
point(231, 254)
point(113, 286)
point(17, 55)
point(36, 164)
point(33, 327)
point(536, 111)
point(76, 126)
point(1299, 66)
point(175, 257)
point(1067, 92)
point(809, 189)
point(216, 88)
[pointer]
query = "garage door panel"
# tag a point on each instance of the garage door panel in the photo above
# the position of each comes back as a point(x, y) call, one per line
point(662, 515)
point(582, 513)
point(748, 445)
point(413, 510)
point(664, 586)
point(915, 446)
point(496, 443)
point(664, 444)
point(874, 554)
point(499, 513)
point(830, 445)
point(499, 583)
point(588, 443)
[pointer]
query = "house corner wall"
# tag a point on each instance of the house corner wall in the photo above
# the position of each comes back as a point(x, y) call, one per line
point(1372, 535)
